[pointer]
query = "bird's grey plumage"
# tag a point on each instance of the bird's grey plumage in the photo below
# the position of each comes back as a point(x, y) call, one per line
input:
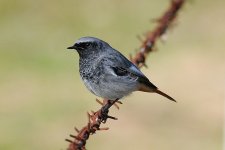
point(107, 73)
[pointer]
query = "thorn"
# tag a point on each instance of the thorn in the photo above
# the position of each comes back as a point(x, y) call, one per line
point(116, 106)
point(111, 117)
point(76, 137)
point(73, 136)
point(139, 38)
point(106, 128)
point(67, 140)
point(92, 112)
point(144, 64)
point(89, 116)
point(101, 103)
point(119, 102)
point(154, 20)
point(76, 129)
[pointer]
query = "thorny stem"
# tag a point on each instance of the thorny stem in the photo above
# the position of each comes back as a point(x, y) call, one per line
point(96, 118)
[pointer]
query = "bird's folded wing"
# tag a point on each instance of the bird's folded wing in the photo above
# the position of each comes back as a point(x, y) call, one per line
point(141, 77)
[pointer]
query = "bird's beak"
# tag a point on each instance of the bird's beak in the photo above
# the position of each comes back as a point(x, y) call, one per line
point(71, 47)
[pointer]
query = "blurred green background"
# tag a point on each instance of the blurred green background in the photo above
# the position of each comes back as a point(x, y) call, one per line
point(42, 97)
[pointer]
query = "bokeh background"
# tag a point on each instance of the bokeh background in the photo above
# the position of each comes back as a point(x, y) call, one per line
point(42, 97)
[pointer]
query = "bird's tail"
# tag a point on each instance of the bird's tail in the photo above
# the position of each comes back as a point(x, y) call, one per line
point(149, 87)
point(164, 94)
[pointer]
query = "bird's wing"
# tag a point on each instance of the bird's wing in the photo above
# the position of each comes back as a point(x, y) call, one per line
point(141, 77)
point(123, 67)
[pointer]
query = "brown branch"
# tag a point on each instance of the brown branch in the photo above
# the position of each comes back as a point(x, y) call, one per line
point(96, 118)
point(152, 36)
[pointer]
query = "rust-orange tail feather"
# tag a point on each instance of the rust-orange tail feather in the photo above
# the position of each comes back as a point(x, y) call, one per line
point(149, 87)
point(164, 94)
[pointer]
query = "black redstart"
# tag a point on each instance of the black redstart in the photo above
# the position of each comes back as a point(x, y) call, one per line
point(107, 73)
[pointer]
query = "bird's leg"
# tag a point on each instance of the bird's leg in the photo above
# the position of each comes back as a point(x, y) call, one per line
point(108, 104)
point(105, 110)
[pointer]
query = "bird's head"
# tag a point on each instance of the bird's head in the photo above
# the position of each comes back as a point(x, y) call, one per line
point(88, 45)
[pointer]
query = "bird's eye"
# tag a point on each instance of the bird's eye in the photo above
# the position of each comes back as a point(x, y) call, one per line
point(84, 45)
point(87, 44)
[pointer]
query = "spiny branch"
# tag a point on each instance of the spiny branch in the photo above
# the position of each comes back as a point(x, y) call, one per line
point(152, 36)
point(95, 119)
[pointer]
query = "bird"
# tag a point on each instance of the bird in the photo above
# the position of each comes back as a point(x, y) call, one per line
point(109, 74)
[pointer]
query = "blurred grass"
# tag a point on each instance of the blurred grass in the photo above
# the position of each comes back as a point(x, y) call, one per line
point(42, 97)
